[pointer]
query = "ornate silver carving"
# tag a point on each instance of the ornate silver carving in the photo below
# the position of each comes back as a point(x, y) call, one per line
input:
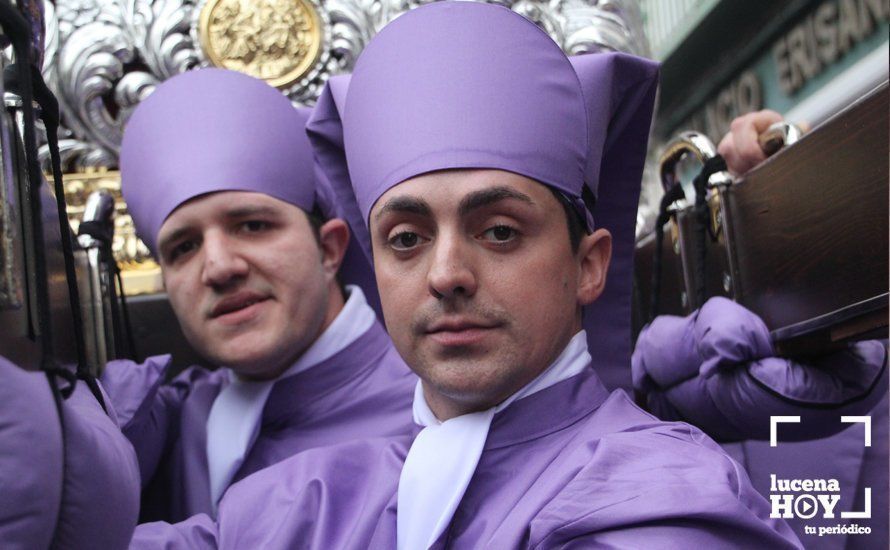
point(104, 56)
point(615, 25)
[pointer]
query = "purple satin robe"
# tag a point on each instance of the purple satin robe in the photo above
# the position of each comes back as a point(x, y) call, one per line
point(364, 390)
point(570, 467)
point(30, 458)
point(73, 484)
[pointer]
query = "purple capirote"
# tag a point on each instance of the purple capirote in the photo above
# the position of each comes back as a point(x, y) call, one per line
point(469, 85)
point(212, 130)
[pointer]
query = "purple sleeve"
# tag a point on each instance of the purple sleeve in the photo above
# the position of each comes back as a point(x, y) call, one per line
point(717, 369)
point(147, 408)
point(68, 477)
point(100, 498)
point(692, 533)
point(130, 386)
point(30, 459)
point(668, 487)
point(194, 533)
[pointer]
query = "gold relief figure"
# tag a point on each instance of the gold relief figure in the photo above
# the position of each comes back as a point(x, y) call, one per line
point(233, 32)
point(141, 274)
point(276, 40)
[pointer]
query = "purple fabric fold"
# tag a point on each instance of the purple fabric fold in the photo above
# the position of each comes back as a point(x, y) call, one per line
point(131, 386)
point(568, 465)
point(100, 501)
point(30, 459)
point(364, 390)
point(196, 533)
point(619, 95)
point(325, 131)
point(716, 368)
point(68, 485)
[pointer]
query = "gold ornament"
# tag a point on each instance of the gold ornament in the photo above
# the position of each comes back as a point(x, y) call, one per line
point(278, 41)
point(140, 273)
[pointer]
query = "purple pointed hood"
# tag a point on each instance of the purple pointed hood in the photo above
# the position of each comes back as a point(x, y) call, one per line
point(474, 85)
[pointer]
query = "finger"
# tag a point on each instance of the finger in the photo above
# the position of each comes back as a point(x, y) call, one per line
point(727, 150)
point(762, 120)
point(745, 136)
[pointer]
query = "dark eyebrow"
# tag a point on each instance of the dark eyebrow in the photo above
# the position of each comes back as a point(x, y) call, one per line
point(173, 237)
point(247, 211)
point(237, 213)
point(486, 197)
point(406, 205)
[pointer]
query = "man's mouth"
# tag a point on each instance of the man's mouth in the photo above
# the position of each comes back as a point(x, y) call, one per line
point(450, 332)
point(237, 307)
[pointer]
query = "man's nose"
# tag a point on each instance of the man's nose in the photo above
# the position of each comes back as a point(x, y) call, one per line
point(223, 261)
point(451, 273)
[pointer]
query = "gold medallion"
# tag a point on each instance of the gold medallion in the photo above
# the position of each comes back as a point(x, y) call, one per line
point(278, 41)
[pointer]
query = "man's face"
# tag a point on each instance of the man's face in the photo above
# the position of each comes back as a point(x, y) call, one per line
point(480, 287)
point(249, 283)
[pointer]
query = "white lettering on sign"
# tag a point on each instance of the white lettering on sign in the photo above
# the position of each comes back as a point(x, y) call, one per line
point(823, 37)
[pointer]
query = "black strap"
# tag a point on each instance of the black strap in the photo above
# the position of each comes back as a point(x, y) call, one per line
point(122, 329)
point(131, 352)
point(97, 230)
point(701, 228)
point(26, 80)
point(703, 221)
point(673, 194)
point(17, 77)
point(17, 28)
point(51, 117)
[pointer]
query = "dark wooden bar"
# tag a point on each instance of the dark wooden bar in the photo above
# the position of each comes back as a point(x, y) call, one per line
point(806, 234)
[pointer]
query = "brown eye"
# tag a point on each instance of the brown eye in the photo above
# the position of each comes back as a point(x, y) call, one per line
point(499, 234)
point(254, 226)
point(404, 240)
point(180, 250)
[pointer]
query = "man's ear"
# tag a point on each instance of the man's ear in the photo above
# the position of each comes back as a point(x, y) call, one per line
point(333, 239)
point(594, 254)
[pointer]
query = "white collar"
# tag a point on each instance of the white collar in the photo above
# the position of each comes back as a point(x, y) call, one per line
point(233, 422)
point(444, 455)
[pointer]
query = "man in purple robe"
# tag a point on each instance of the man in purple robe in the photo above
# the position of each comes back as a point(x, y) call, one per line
point(498, 182)
point(218, 175)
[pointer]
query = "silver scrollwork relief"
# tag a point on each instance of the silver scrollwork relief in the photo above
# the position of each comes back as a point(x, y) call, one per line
point(104, 56)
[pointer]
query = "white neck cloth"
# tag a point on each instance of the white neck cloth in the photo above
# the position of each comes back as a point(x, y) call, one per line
point(234, 420)
point(444, 455)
